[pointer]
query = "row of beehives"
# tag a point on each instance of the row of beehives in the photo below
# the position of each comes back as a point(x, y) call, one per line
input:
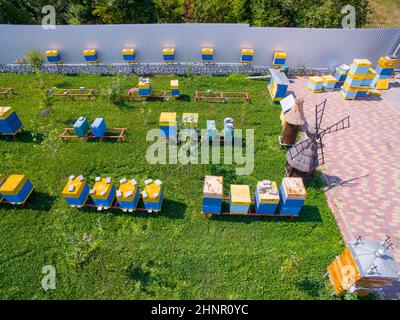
point(104, 192)
point(10, 123)
point(129, 55)
point(358, 79)
point(145, 88)
point(98, 127)
point(169, 126)
point(289, 199)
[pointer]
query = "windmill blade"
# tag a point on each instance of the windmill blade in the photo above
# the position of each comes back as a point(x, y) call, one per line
point(299, 148)
point(320, 159)
point(340, 125)
point(319, 114)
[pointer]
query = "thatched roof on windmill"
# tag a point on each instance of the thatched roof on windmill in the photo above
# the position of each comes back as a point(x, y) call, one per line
point(305, 161)
point(296, 115)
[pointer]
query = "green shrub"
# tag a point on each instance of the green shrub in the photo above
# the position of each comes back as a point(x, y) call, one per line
point(35, 59)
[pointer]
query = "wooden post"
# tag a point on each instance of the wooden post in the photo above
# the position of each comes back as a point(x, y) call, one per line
point(294, 120)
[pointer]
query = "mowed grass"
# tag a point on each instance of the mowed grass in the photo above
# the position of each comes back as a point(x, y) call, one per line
point(178, 254)
point(385, 14)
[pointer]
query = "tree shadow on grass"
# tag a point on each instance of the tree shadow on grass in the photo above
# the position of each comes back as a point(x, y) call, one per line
point(310, 287)
point(138, 274)
point(25, 137)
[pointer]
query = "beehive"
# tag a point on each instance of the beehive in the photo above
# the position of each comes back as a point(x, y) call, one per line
point(279, 58)
point(153, 195)
point(292, 194)
point(341, 74)
point(239, 199)
point(175, 88)
point(9, 121)
point(53, 56)
point(76, 191)
point(278, 85)
point(81, 127)
point(128, 194)
point(329, 82)
point(213, 194)
point(211, 130)
point(385, 68)
point(129, 55)
point(168, 125)
point(103, 192)
point(228, 130)
point(357, 80)
point(98, 127)
point(16, 189)
point(266, 197)
point(207, 54)
point(190, 120)
point(168, 54)
point(90, 55)
point(382, 84)
point(315, 84)
point(369, 77)
point(360, 66)
point(247, 55)
point(144, 86)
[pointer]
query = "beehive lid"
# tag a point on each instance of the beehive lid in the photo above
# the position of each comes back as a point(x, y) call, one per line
point(167, 118)
point(175, 83)
point(294, 188)
point(127, 189)
point(207, 50)
point(329, 78)
point(144, 81)
point(362, 62)
point(5, 112)
point(343, 68)
point(190, 118)
point(89, 51)
point(153, 191)
point(128, 51)
point(240, 194)
point(97, 122)
point(268, 192)
point(13, 184)
point(102, 188)
point(168, 50)
point(247, 51)
point(280, 54)
point(316, 79)
point(287, 103)
point(279, 77)
point(74, 187)
point(52, 52)
point(373, 260)
point(213, 186)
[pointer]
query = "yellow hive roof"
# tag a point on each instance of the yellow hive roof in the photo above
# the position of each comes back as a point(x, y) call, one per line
point(168, 50)
point(316, 79)
point(74, 187)
point(13, 184)
point(362, 62)
point(5, 112)
point(213, 186)
point(240, 194)
point(271, 194)
point(51, 53)
point(329, 78)
point(167, 118)
point(89, 51)
point(102, 189)
point(207, 50)
point(189, 118)
point(128, 51)
point(294, 188)
point(153, 191)
point(174, 83)
point(127, 189)
point(247, 51)
point(280, 54)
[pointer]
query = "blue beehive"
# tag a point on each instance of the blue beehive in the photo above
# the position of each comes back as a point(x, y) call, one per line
point(90, 55)
point(128, 194)
point(16, 189)
point(228, 129)
point(81, 127)
point(292, 195)
point(98, 127)
point(103, 193)
point(266, 197)
point(53, 56)
point(278, 85)
point(129, 55)
point(211, 130)
point(9, 121)
point(168, 125)
point(239, 199)
point(212, 194)
point(341, 74)
point(153, 195)
point(76, 191)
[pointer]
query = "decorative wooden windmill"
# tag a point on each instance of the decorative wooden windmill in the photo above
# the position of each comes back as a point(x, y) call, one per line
point(308, 153)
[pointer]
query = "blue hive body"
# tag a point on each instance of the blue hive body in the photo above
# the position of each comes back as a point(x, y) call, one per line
point(212, 205)
point(169, 132)
point(106, 202)
point(129, 57)
point(11, 124)
point(154, 205)
point(175, 92)
point(99, 127)
point(287, 206)
point(22, 194)
point(81, 127)
point(213, 194)
point(129, 205)
point(382, 71)
point(82, 198)
point(145, 92)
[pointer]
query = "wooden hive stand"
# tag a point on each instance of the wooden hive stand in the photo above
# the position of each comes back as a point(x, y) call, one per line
point(133, 94)
point(223, 96)
point(6, 92)
point(113, 133)
point(90, 94)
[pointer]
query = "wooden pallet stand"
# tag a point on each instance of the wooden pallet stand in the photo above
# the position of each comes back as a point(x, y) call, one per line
point(222, 96)
point(73, 93)
point(6, 92)
point(155, 94)
point(115, 206)
point(117, 134)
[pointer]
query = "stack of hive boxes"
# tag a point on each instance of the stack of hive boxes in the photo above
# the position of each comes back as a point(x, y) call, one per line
point(315, 84)
point(213, 194)
point(278, 85)
point(103, 193)
point(207, 55)
point(76, 191)
point(144, 86)
point(153, 195)
point(384, 70)
point(168, 125)
point(16, 189)
point(266, 197)
point(81, 127)
point(279, 59)
point(129, 55)
point(9, 121)
point(247, 56)
point(53, 56)
point(175, 88)
point(292, 195)
point(239, 199)
point(90, 55)
point(211, 130)
point(359, 71)
point(329, 82)
point(98, 127)
point(168, 54)
point(128, 194)
point(228, 130)
point(341, 75)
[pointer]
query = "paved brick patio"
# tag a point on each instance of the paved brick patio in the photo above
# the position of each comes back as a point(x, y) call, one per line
point(362, 163)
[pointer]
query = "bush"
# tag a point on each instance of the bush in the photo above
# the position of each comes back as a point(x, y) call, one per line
point(35, 59)
point(116, 91)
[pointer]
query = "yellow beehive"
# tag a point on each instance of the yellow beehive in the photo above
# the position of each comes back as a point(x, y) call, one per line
point(152, 192)
point(74, 188)
point(190, 120)
point(174, 84)
point(168, 119)
point(240, 199)
point(382, 84)
point(13, 184)
point(144, 83)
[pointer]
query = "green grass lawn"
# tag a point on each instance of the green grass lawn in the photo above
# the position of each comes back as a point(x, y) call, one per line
point(178, 254)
